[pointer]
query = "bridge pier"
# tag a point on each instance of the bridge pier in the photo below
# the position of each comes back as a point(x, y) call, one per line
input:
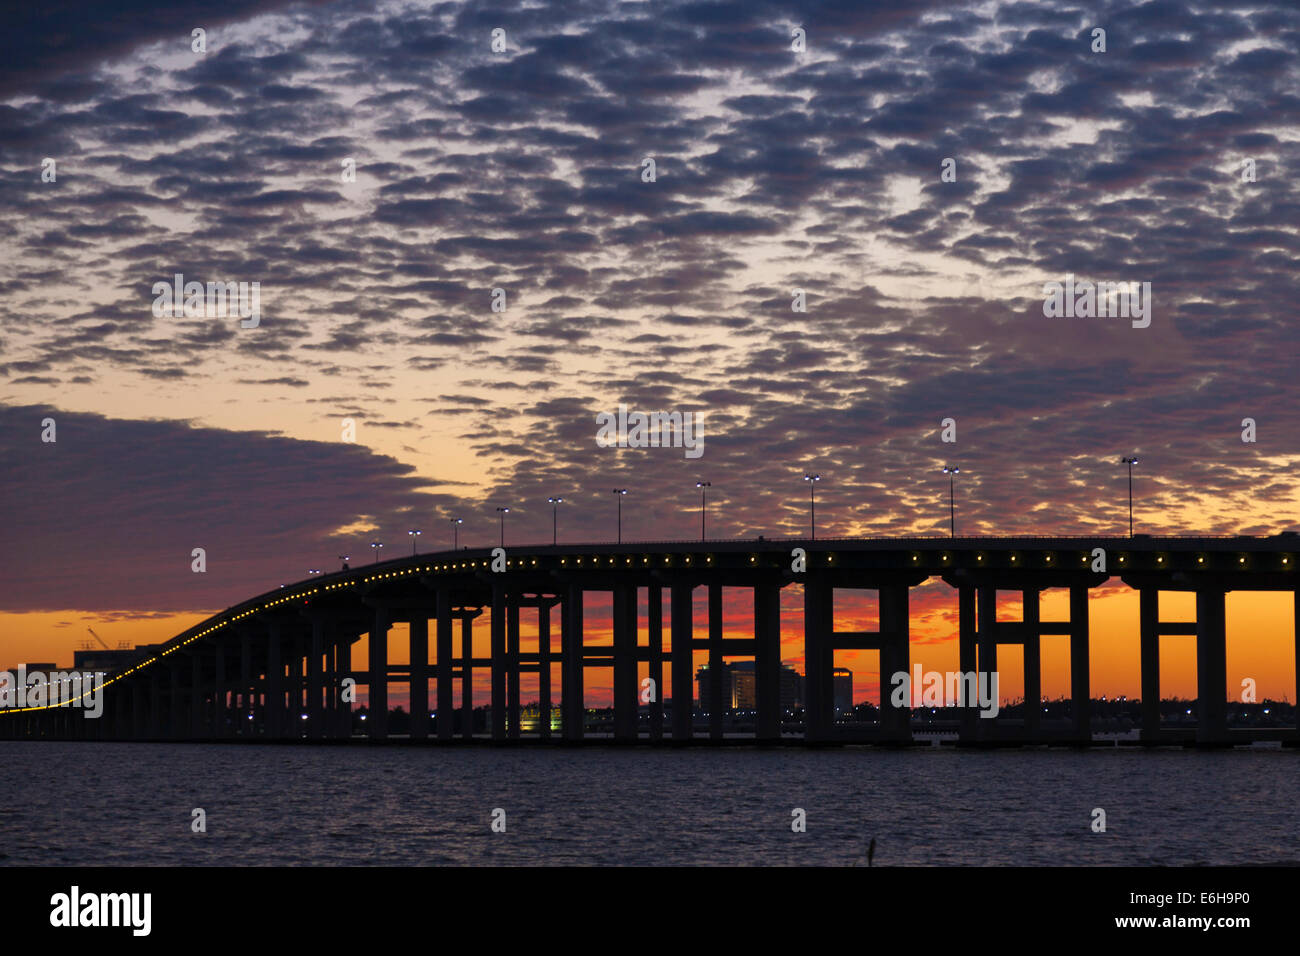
point(175, 726)
point(419, 691)
point(497, 631)
point(1080, 664)
point(316, 726)
point(767, 660)
point(377, 687)
point(1149, 653)
point(682, 626)
point(467, 676)
point(219, 690)
point(274, 693)
point(571, 665)
point(967, 645)
point(717, 707)
point(443, 642)
point(247, 725)
point(512, 661)
point(817, 624)
point(625, 661)
point(1211, 667)
point(1033, 670)
point(343, 671)
point(197, 694)
point(655, 636)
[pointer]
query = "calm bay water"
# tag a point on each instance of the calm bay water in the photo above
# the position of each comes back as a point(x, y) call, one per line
point(120, 804)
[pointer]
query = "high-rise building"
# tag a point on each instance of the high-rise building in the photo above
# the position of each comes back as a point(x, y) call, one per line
point(740, 686)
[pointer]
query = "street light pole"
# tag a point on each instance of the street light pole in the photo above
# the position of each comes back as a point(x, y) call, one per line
point(1130, 462)
point(455, 532)
point(702, 485)
point(951, 471)
point(555, 505)
point(375, 546)
point(414, 534)
point(812, 505)
point(503, 512)
point(620, 492)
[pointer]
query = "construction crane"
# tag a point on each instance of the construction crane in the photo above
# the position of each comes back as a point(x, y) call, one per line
point(98, 638)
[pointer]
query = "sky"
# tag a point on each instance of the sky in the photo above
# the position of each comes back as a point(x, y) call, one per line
point(379, 169)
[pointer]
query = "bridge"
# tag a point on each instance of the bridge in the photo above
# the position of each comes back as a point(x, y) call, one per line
point(278, 665)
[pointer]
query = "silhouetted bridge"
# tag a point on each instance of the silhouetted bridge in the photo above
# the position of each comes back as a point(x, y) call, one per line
point(275, 667)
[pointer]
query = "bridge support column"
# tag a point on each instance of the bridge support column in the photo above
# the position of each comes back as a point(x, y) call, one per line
point(544, 670)
point(139, 722)
point(1211, 667)
point(819, 615)
point(717, 705)
point(467, 677)
point(625, 661)
point(499, 663)
point(293, 725)
point(512, 662)
point(176, 727)
point(655, 629)
point(1080, 688)
point(343, 671)
point(895, 658)
point(767, 660)
point(274, 703)
point(446, 711)
point(1033, 684)
point(219, 690)
point(245, 726)
point(420, 675)
point(682, 625)
point(331, 725)
point(316, 727)
point(987, 640)
point(571, 641)
point(198, 695)
point(967, 641)
point(377, 708)
point(1149, 638)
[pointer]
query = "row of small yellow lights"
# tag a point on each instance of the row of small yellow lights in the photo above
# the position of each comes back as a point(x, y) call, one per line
point(1049, 559)
point(174, 647)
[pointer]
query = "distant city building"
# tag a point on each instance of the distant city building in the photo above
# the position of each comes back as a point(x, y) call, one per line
point(842, 689)
point(740, 686)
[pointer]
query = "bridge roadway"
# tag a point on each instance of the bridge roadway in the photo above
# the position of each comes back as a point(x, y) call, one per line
point(249, 671)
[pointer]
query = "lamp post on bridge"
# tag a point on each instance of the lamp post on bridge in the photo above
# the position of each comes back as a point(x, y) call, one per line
point(345, 558)
point(812, 505)
point(414, 533)
point(375, 546)
point(702, 485)
point(455, 532)
point(1130, 462)
point(503, 512)
point(620, 492)
point(555, 510)
point(951, 471)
